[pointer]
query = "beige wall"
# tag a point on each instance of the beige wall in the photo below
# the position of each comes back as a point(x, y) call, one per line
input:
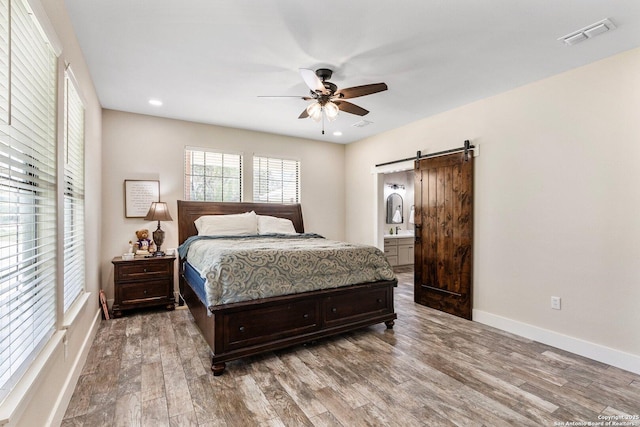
point(145, 147)
point(557, 205)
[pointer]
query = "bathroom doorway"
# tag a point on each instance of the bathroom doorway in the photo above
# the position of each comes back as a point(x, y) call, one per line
point(397, 179)
point(395, 219)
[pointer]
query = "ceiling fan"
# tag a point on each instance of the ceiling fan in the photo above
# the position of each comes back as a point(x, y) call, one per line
point(328, 99)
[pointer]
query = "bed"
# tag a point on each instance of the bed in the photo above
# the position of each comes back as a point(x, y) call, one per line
point(235, 330)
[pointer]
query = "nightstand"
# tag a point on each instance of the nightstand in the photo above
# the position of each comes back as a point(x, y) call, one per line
point(143, 282)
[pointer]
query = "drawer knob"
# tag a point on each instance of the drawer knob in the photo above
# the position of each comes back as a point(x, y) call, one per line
point(144, 270)
point(144, 292)
point(306, 315)
point(241, 328)
point(333, 310)
point(379, 300)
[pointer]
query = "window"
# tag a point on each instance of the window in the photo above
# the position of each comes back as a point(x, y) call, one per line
point(73, 193)
point(27, 191)
point(212, 176)
point(4, 62)
point(276, 180)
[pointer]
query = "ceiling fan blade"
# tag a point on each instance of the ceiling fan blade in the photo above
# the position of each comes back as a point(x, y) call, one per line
point(348, 107)
point(310, 78)
point(304, 114)
point(284, 96)
point(356, 91)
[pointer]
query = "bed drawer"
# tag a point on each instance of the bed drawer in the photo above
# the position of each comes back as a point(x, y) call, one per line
point(270, 323)
point(349, 307)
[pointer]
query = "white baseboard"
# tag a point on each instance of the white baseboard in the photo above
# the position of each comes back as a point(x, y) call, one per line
point(610, 356)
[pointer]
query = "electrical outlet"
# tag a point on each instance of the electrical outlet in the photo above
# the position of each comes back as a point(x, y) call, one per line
point(555, 303)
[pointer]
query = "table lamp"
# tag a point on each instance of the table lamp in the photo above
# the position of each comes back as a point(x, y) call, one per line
point(158, 212)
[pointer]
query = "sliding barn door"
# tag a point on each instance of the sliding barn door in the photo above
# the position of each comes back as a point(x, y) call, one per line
point(444, 233)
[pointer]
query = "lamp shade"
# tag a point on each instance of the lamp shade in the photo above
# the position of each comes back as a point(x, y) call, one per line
point(158, 212)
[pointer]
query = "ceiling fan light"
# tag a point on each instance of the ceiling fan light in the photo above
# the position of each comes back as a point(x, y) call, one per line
point(331, 110)
point(314, 108)
point(315, 111)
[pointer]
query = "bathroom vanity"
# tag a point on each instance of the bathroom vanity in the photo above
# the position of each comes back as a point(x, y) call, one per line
point(398, 249)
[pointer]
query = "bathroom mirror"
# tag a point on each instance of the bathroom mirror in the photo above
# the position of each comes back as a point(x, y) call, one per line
point(394, 209)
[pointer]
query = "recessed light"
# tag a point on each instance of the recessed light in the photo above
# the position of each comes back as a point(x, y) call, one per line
point(337, 133)
point(155, 102)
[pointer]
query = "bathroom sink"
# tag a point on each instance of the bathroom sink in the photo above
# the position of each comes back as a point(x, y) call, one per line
point(401, 234)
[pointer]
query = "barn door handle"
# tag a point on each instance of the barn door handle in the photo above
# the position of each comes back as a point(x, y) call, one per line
point(417, 232)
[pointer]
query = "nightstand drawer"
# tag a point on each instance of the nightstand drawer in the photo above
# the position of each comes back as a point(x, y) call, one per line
point(134, 293)
point(146, 270)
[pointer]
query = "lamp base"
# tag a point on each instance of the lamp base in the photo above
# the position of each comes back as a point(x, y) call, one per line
point(158, 239)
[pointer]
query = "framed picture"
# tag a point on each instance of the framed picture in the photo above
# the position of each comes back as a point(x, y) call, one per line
point(138, 196)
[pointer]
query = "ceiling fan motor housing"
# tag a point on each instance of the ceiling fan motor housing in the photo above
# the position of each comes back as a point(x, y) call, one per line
point(324, 73)
point(330, 87)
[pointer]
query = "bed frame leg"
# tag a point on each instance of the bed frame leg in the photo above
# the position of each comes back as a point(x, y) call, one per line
point(218, 368)
point(390, 324)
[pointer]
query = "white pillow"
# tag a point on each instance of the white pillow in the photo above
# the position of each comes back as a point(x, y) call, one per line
point(244, 224)
point(274, 225)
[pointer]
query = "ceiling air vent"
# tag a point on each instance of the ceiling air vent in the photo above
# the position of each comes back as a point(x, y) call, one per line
point(588, 32)
point(362, 123)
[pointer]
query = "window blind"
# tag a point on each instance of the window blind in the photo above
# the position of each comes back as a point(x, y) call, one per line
point(4, 62)
point(73, 194)
point(212, 176)
point(27, 195)
point(276, 180)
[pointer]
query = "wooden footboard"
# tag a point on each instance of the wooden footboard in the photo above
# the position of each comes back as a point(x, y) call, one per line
point(243, 329)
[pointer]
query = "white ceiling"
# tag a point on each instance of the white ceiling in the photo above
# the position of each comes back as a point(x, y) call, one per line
point(208, 60)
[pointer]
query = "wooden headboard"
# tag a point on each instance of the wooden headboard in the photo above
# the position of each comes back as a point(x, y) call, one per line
point(189, 211)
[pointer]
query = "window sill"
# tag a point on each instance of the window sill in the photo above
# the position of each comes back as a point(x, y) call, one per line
point(76, 308)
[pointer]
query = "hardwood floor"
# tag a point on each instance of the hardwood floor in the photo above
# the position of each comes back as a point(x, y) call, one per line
point(152, 369)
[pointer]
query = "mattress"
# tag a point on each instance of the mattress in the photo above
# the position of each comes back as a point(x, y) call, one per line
point(244, 268)
point(196, 281)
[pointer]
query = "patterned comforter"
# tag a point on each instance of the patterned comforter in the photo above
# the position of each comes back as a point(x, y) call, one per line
point(251, 267)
